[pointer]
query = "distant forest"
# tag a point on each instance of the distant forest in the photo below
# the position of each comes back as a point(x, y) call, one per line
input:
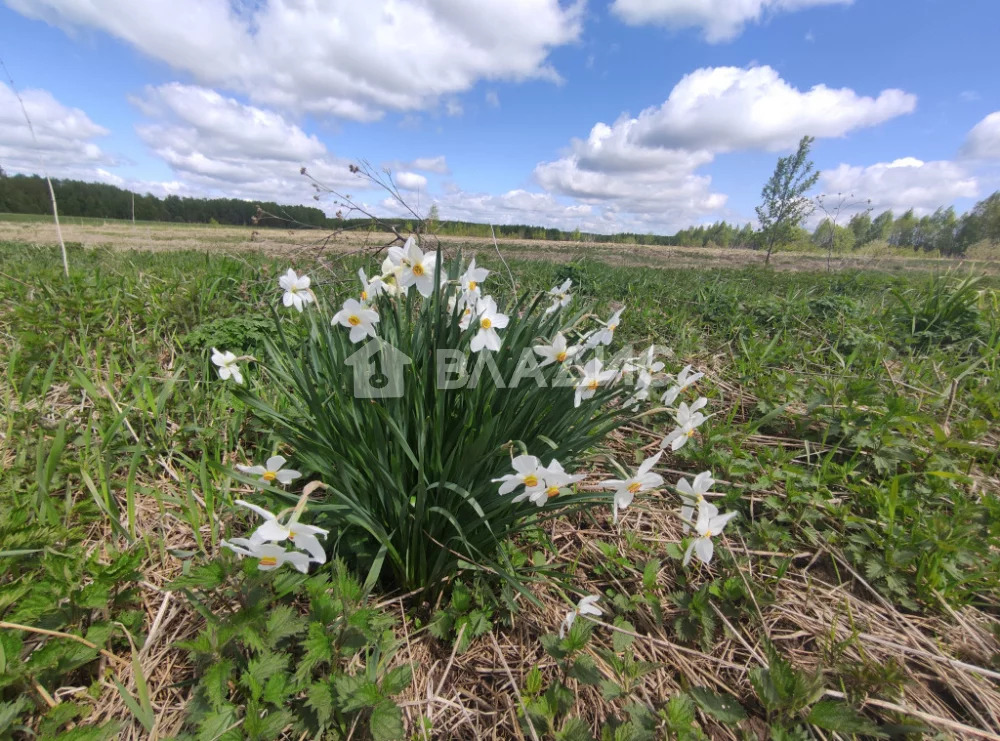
point(943, 231)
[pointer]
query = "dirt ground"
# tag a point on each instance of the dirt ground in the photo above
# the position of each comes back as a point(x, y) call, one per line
point(118, 235)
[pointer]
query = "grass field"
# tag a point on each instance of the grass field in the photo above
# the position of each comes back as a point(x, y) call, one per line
point(856, 432)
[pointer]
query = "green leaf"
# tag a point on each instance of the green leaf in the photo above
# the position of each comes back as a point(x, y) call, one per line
point(206, 576)
point(611, 690)
point(215, 682)
point(840, 718)
point(680, 712)
point(585, 671)
point(553, 646)
point(282, 622)
point(533, 681)
point(397, 679)
point(723, 708)
point(319, 697)
point(574, 729)
point(622, 641)
point(387, 722)
point(10, 710)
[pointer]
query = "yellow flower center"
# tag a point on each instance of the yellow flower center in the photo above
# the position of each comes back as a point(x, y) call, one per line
point(593, 385)
point(354, 320)
point(291, 535)
point(531, 480)
point(690, 433)
point(418, 269)
point(270, 475)
point(552, 491)
point(561, 356)
point(634, 487)
point(612, 327)
point(708, 533)
point(486, 323)
point(472, 285)
point(364, 295)
point(268, 561)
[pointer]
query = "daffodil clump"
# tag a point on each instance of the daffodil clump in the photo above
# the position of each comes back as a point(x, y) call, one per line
point(423, 403)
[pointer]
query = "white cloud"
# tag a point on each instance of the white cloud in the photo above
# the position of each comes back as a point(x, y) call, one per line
point(64, 139)
point(220, 147)
point(437, 164)
point(730, 108)
point(644, 171)
point(453, 107)
point(410, 180)
point(719, 20)
point(983, 142)
point(903, 184)
point(350, 59)
point(492, 99)
point(518, 207)
point(637, 185)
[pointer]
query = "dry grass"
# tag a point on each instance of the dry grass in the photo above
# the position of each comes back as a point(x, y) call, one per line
point(117, 235)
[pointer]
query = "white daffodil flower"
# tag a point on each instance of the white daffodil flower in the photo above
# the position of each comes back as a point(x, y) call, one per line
point(470, 281)
point(391, 271)
point(606, 334)
point(527, 471)
point(417, 267)
point(271, 471)
point(593, 377)
point(553, 479)
point(558, 352)
point(370, 288)
point(688, 420)
point(227, 363)
point(626, 489)
point(270, 556)
point(560, 296)
point(359, 318)
point(466, 310)
point(585, 606)
point(670, 395)
point(709, 524)
point(647, 366)
point(489, 320)
point(692, 495)
point(302, 536)
point(296, 289)
point(685, 379)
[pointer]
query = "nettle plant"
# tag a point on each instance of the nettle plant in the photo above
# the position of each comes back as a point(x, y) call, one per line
point(440, 422)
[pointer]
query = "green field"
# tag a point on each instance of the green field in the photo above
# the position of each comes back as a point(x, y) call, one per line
point(856, 431)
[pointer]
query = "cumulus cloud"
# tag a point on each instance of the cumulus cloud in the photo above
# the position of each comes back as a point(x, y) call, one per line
point(644, 170)
point(410, 180)
point(903, 184)
point(983, 142)
point(351, 59)
point(730, 108)
point(64, 139)
point(492, 99)
point(437, 165)
point(514, 207)
point(719, 20)
point(220, 146)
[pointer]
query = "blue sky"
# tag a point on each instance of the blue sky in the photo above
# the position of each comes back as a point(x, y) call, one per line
point(639, 115)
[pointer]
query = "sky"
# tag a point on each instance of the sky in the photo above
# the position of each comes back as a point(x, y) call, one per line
point(603, 115)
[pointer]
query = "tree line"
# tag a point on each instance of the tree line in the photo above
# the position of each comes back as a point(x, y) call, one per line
point(943, 231)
